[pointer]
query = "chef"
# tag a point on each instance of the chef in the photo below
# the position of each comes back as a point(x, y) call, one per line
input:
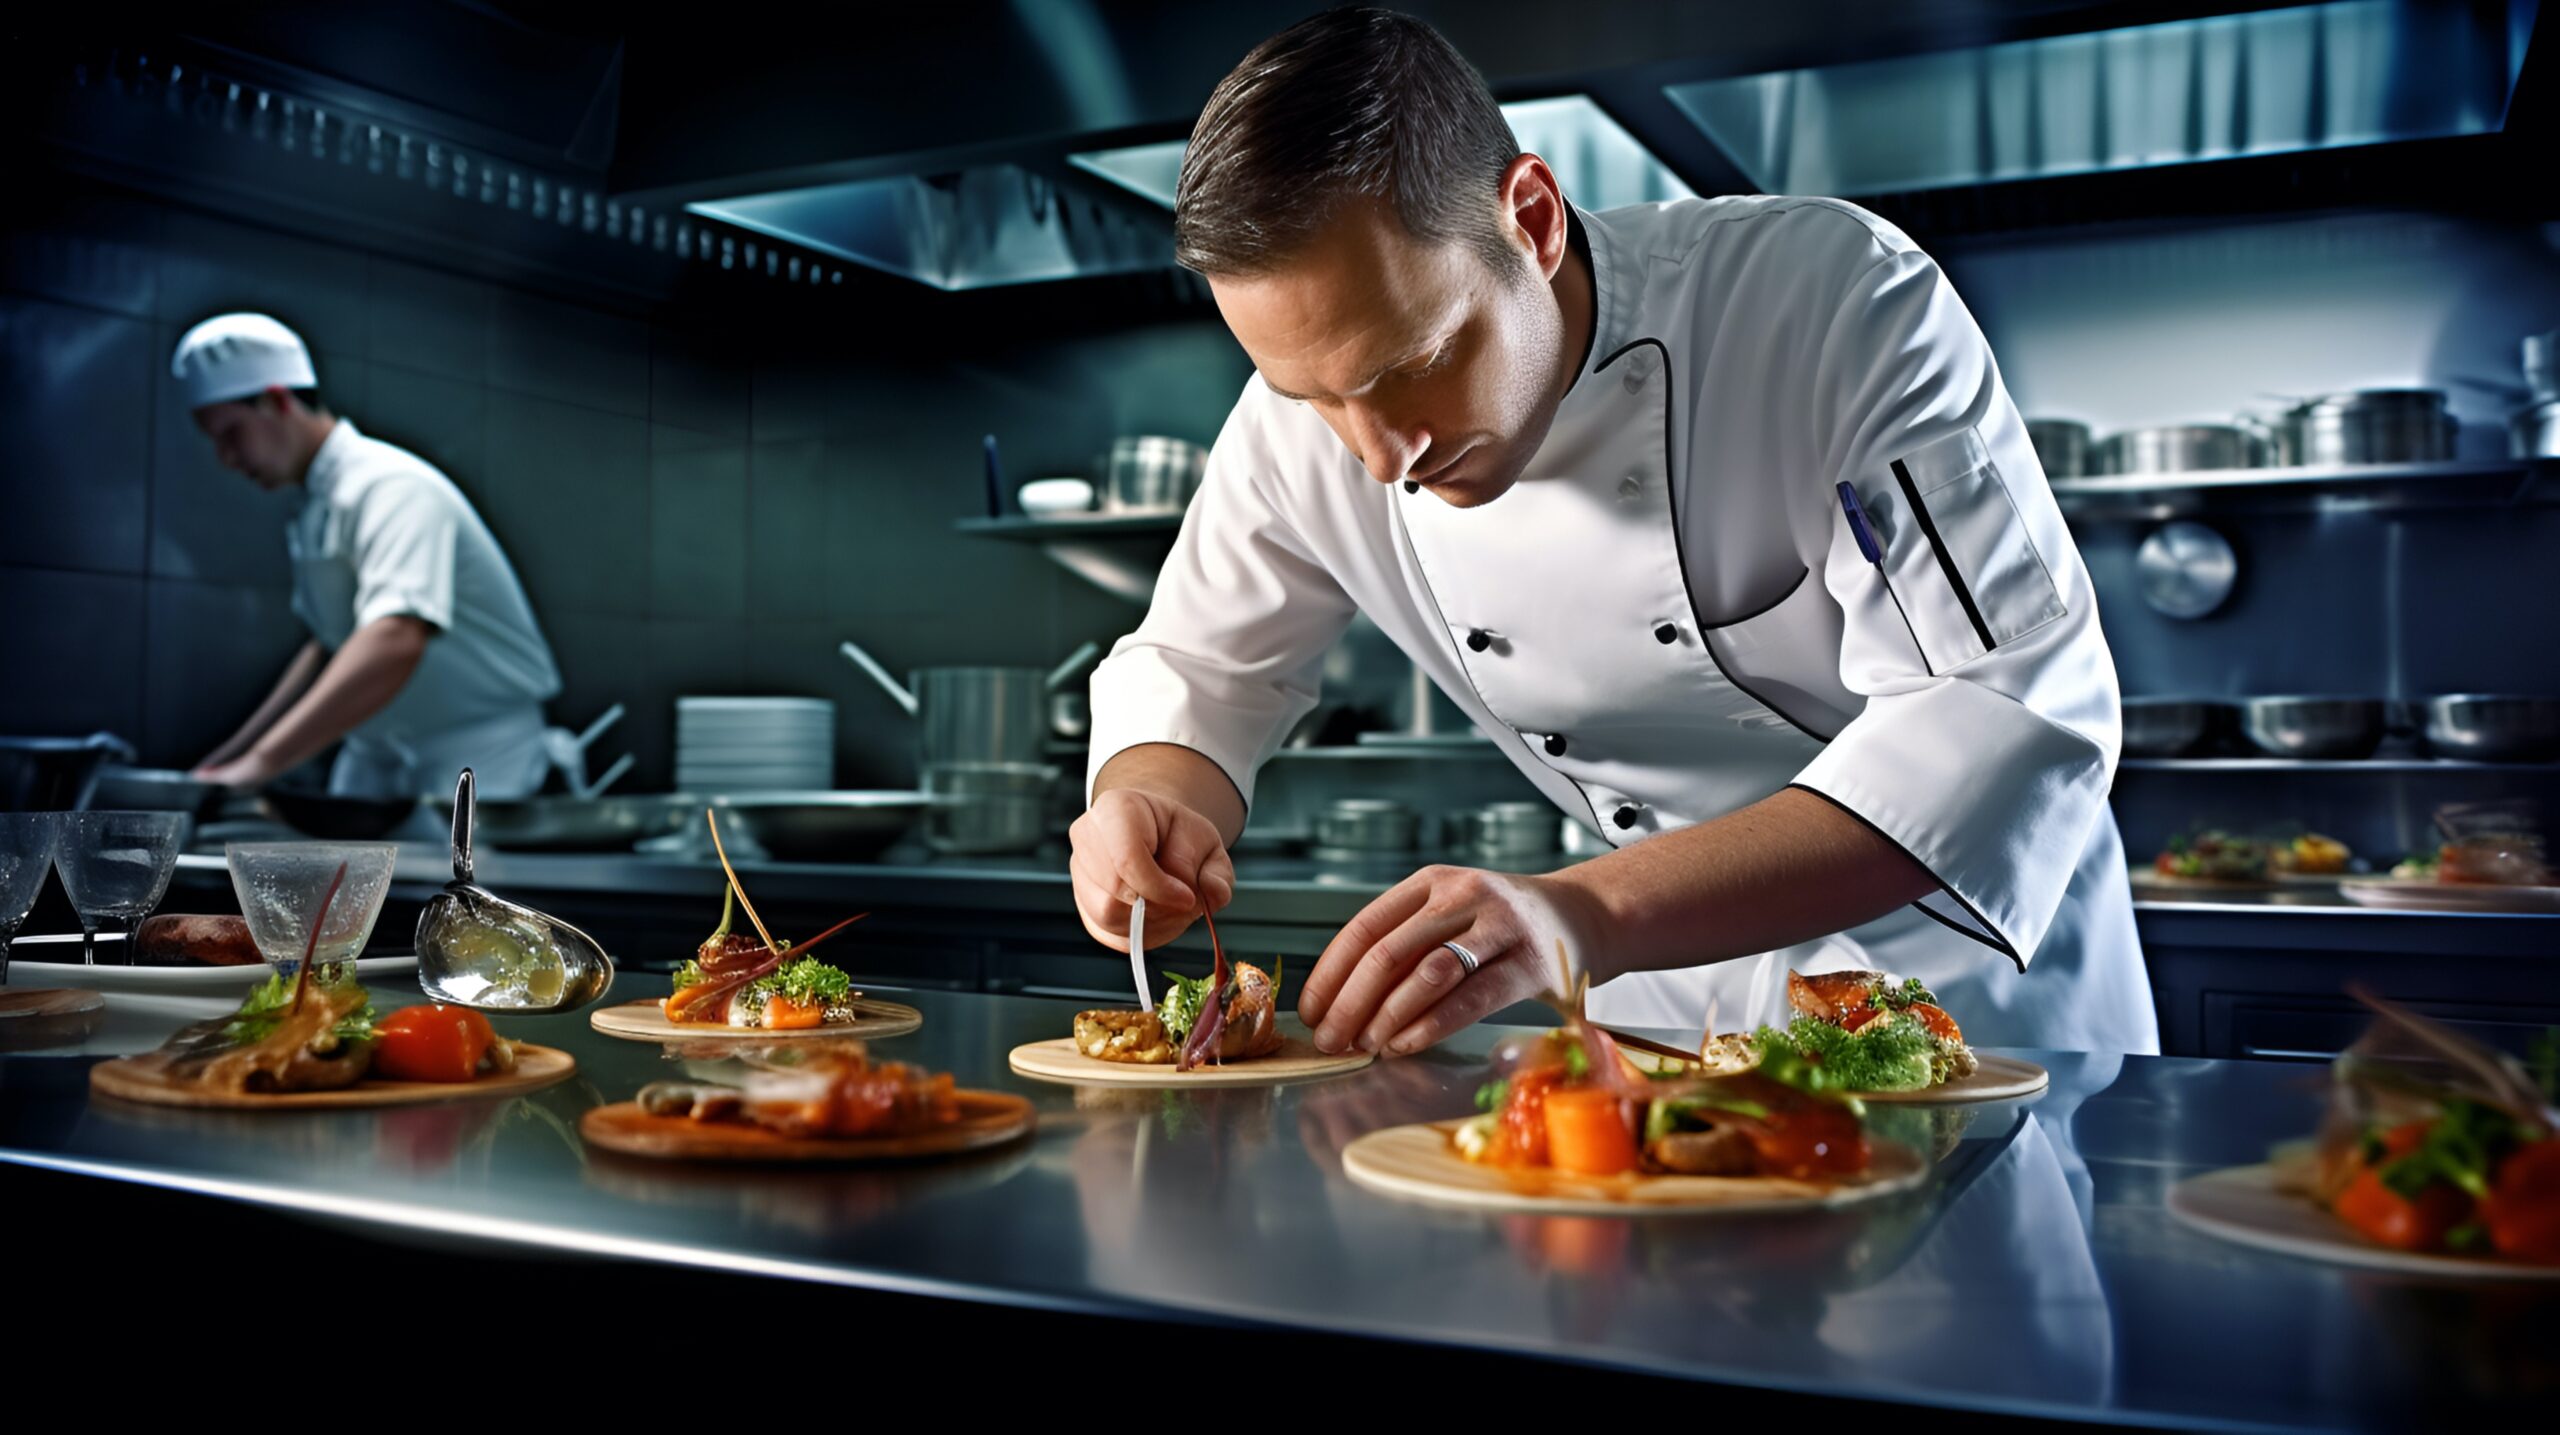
point(1714, 515)
point(424, 656)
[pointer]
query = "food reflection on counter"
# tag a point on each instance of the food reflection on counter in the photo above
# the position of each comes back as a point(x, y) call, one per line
point(816, 1089)
point(756, 982)
point(2436, 1144)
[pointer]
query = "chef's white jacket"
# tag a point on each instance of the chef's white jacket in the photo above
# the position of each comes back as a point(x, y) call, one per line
point(382, 533)
point(1671, 617)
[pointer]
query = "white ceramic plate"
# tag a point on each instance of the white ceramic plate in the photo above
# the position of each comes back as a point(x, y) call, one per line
point(2419, 894)
point(34, 962)
point(2242, 1204)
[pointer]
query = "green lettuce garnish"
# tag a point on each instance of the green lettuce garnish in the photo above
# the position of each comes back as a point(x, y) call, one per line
point(264, 1008)
point(1905, 996)
point(1184, 996)
point(1890, 1053)
point(805, 981)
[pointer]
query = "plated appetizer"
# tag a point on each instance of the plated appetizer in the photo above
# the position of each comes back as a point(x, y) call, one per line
point(2309, 855)
point(2435, 1143)
point(1864, 1033)
point(1570, 1124)
point(2212, 856)
point(755, 982)
point(318, 1034)
point(1232, 1014)
point(815, 1100)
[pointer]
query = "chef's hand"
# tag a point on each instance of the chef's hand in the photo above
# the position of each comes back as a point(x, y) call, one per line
point(1132, 843)
point(1386, 984)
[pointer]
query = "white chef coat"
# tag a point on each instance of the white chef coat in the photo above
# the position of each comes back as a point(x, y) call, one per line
point(382, 533)
point(1670, 617)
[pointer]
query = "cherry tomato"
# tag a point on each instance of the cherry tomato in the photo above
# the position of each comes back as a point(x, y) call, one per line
point(431, 1043)
point(2388, 1218)
point(2523, 1209)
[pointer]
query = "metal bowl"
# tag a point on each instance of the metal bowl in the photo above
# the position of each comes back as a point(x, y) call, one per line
point(561, 823)
point(2167, 727)
point(2493, 727)
point(822, 826)
point(155, 789)
point(2061, 445)
point(2180, 448)
point(2314, 727)
point(1366, 824)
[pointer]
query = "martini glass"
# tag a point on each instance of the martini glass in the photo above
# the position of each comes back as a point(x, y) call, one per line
point(115, 867)
point(26, 854)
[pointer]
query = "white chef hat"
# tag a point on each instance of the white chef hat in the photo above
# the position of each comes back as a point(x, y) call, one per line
point(232, 356)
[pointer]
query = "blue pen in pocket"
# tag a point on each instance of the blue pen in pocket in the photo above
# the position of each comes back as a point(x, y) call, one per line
point(1863, 529)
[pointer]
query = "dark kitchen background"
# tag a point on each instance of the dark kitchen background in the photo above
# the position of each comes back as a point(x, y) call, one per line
point(710, 321)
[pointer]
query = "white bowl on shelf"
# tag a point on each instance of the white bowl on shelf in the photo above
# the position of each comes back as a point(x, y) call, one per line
point(1055, 497)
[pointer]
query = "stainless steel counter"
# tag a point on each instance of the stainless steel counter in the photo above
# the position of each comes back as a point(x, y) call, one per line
point(2037, 1273)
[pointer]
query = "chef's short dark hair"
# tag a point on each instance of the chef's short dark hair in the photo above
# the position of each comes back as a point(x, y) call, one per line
point(1349, 104)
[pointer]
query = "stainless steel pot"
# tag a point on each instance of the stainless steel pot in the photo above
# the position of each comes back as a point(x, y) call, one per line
point(1149, 473)
point(2535, 432)
point(987, 807)
point(2493, 727)
point(1505, 831)
point(1366, 824)
point(2372, 426)
point(2542, 365)
point(2062, 446)
point(579, 824)
point(2314, 727)
point(977, 715)
point(2168, 727)
point(2179, 448)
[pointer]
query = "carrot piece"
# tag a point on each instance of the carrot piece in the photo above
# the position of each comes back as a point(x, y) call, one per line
point(1587, 1132)
point(781, 1013)
point(676, 1004)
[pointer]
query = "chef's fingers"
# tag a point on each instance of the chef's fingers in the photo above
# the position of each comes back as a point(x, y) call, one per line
point(1383, 914)
point(1193, 854)
point(1106, 917)
point(1126, 837)
point(1438, 975)
point(1387, 963)
point(1494, 986)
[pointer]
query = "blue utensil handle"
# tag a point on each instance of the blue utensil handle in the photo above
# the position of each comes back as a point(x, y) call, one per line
point(995, 481)
point(1859, 527)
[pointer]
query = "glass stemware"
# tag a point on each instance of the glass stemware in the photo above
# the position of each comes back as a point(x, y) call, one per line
point(115, 867)
point(26, 854)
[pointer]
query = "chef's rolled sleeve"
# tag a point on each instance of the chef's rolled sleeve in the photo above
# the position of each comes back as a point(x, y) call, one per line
point(406, 538)
point(1989, 736)
point(1229, 656)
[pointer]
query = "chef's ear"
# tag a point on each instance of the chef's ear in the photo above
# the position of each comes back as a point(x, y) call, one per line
point(1533, 203)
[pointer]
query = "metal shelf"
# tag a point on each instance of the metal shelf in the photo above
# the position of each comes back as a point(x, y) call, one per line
point(2369, 487)
point(2293, 764)
point(1116, 552)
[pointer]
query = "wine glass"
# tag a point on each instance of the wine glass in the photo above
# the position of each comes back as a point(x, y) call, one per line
point(26, 854)
point(115, 866)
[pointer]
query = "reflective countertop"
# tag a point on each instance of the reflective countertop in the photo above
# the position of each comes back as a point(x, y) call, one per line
point(2037, 1272)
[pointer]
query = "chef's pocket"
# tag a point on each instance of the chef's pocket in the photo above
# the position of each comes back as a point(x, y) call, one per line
point(1968, 576)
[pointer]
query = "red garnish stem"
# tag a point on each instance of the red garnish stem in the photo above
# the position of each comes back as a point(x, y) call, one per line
point(302, 979)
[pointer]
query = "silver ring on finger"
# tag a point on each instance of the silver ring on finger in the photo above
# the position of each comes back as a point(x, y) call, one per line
point(1466, 958)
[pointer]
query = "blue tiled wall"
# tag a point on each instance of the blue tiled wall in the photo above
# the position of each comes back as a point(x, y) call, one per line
point(693, 506)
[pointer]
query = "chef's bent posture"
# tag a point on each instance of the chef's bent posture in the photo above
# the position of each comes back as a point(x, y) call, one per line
point(424, 655)
point(1714, 514)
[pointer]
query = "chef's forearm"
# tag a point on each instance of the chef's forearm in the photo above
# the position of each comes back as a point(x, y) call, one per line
point(290, 684)
point(1784, 870)
point(1178, 774)
point(365, 675)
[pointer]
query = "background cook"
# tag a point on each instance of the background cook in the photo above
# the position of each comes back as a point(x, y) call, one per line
point(1715, 515)
point(424, 655)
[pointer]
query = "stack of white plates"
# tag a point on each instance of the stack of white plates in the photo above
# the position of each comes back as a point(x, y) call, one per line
point(755, 745)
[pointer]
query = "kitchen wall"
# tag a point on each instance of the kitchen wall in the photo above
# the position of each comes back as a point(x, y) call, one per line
point(2122, 329)
point(697, 503)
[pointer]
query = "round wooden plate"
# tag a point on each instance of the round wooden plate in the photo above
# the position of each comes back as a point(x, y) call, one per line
point(40, 1016)
point(1419, 1163)
point(139, 1078)
point(646, 1021)
point(1994, 1078)
point(2244, 1204)
point(987, 1118)
point(1296, 1060)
